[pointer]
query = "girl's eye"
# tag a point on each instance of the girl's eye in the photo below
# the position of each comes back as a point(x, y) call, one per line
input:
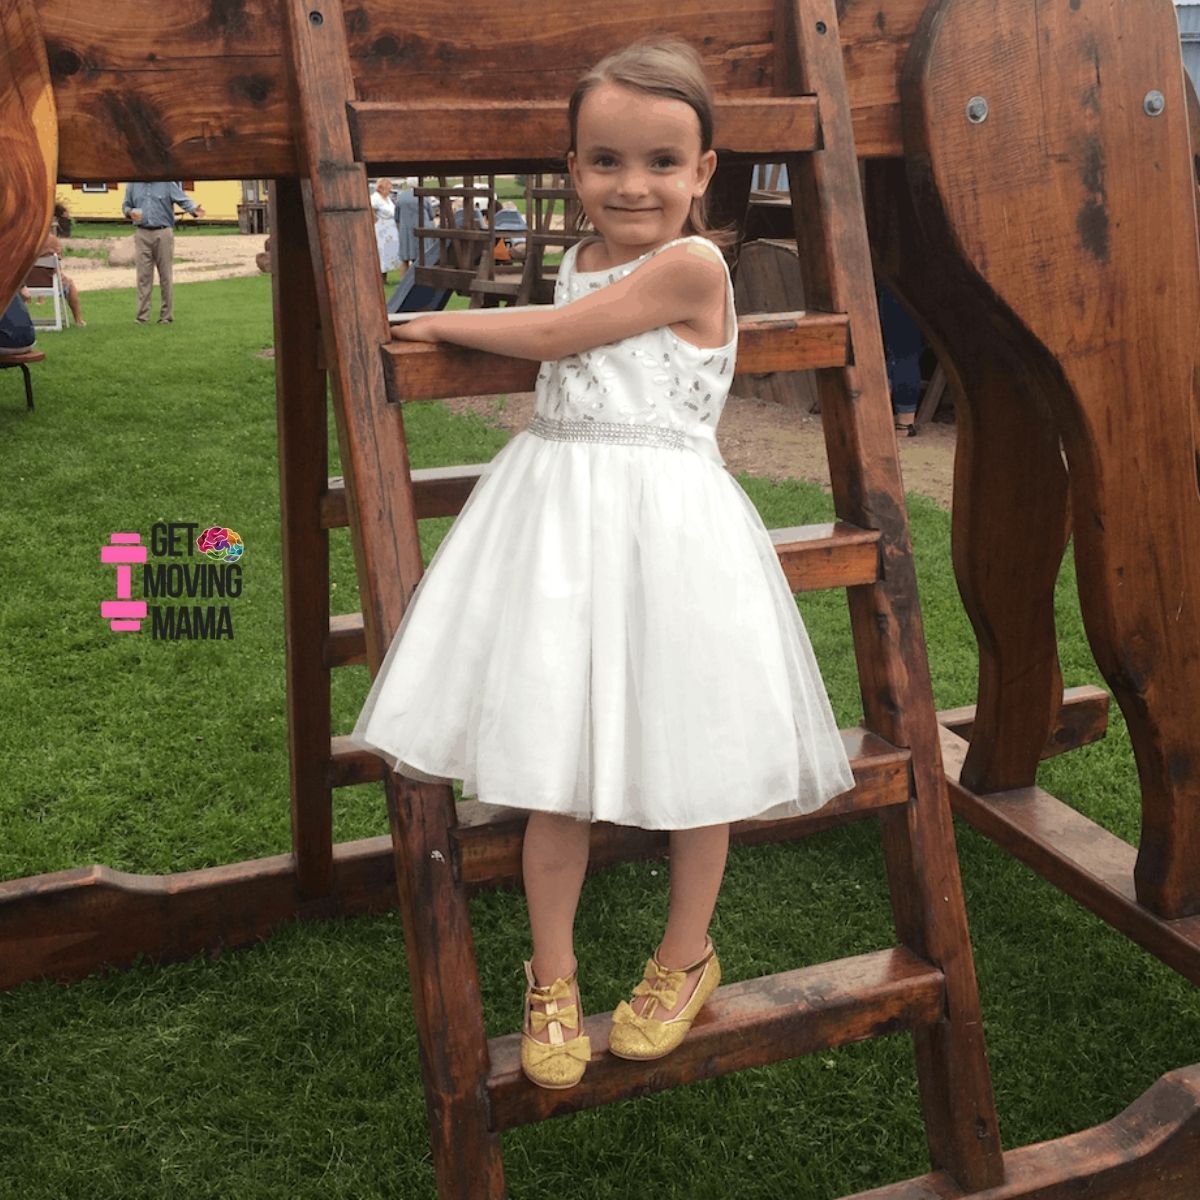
point(665, 162)
point(604, 160)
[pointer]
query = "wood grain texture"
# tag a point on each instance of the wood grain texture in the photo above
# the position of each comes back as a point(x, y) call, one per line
point(1078, 857)
point(742, 1025)
point(1151, 1151)
point(437, 492)
point(919, 848)
point(198, 89)
point(1080, 217)
point(28, 142)
point(1082, 719)
point(301, 421)
point(766, 342)
point(414, 137)
point(1010, 513)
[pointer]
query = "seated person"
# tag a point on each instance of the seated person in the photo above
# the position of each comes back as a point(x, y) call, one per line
point(53, 246)
point(17, 334)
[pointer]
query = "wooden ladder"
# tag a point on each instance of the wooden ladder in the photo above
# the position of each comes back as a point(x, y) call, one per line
point(926, 984)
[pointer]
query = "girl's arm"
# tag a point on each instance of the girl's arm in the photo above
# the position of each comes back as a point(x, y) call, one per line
point(684, 285)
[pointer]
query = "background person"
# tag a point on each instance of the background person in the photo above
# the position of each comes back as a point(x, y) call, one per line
point(387, 240)
point(151, 207)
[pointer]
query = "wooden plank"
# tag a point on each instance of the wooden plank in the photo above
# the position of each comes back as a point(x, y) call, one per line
point(301, 419)
point(743, 1025)
point(531, 135)
point(927, 903)
point(148, 93)
point(437, 492)
point(68, 924)
point(1151, 1151)
point(1078, 857)
point(813, 557)
point(796, 341)
point(1082, 719)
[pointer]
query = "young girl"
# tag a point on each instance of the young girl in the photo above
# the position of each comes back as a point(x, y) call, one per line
point(606, 633)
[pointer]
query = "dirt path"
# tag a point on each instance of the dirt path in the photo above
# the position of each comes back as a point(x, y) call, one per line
point(755, 436)
point(761, 438)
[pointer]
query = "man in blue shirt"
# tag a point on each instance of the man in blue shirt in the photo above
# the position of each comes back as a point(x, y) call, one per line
point(151, 207)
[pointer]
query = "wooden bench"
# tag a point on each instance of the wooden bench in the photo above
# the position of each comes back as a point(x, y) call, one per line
point(23, 360)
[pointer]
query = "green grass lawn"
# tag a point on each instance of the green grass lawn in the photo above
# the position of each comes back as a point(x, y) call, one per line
point(184, 226)
point(290, 1069)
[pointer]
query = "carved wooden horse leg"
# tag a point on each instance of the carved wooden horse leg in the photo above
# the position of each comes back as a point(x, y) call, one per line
point(1054, 147)
point(1010, 485)
point(28, 143)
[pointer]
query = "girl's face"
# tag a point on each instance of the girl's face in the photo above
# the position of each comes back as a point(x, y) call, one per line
point(637, 167)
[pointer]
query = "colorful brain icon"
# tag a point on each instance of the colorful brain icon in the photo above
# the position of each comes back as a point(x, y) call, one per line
point(221, 543)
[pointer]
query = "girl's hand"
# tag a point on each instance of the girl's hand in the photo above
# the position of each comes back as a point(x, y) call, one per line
point(422, 329)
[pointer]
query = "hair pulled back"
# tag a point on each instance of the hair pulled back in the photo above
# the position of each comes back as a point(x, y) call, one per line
point(659, 67)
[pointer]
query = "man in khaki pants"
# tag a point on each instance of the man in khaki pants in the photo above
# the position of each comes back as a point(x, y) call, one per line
point(151, 207)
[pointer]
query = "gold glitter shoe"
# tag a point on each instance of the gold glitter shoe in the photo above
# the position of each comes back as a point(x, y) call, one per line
point(559, 1063)
point(642, 1036)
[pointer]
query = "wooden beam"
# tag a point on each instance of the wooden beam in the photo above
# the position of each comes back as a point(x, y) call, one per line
point(747, 1024)
point(1151, 1151)
point(148, 93)
point(1078, 857)
point(797, 341)
point(437, 492)
point(531, 135)
point(1082, 719)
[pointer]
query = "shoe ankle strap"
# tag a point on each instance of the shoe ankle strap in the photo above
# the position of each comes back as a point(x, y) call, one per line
point(684, 970)
point(543, 993)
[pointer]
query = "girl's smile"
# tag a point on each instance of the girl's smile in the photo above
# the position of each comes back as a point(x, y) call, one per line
point(637, 168)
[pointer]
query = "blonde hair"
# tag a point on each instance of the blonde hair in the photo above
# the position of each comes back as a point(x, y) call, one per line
point(659, 67)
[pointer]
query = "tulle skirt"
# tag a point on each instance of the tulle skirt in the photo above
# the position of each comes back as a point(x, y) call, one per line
point(606, 632)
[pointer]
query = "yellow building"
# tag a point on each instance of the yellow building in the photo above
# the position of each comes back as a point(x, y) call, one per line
point(220, 198)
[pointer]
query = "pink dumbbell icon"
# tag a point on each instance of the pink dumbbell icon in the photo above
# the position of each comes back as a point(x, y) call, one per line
point(123, 614)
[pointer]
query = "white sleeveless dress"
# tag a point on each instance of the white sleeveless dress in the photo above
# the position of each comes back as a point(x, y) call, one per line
point(606, 630)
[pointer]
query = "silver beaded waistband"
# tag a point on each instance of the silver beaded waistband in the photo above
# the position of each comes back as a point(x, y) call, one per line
point(615, 432)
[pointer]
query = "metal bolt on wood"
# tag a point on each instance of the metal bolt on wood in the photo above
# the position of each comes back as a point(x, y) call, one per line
point(1154, 103)
point(977, 110)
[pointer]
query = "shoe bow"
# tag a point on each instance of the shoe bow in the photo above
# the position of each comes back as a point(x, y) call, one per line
point(568, 1017)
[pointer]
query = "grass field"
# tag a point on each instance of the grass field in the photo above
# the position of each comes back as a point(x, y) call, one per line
point(290, 1069)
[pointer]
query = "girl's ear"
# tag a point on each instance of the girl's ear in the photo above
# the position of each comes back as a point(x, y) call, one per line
point(573, 167)
point(704, 171)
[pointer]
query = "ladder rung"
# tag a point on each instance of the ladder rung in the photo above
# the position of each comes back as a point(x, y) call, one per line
point(812, 556)
point(743, 1025)
point(437, 492)
point(767, 342)
point(880, 781)
point(496, 134)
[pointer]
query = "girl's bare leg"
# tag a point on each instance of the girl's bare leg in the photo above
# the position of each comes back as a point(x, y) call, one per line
point(554, 861)
point(697, 868)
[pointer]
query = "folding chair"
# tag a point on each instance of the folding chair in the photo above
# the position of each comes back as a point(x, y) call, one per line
point(45, 281)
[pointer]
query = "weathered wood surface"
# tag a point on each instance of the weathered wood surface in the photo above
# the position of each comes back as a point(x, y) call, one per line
point(531, 135)
point(197, 89)
point(28, 143)
point(766, 342)
point(437, 492)
point(1151, 1151)
point(1078, 857)
point(743, 1025)
point(769, 280)
point(1010, 516)
point(301, 420)
point(1082, 718)
point(893, 668)
point(1069, 167)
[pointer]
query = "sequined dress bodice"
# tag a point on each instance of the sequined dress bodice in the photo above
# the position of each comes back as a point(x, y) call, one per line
point(654, 379)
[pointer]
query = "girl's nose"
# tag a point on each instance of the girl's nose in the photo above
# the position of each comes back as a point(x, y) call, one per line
point(633, 183)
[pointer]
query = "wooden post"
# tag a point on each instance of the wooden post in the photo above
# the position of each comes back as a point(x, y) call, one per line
point(303, 476)
point(927, 901)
